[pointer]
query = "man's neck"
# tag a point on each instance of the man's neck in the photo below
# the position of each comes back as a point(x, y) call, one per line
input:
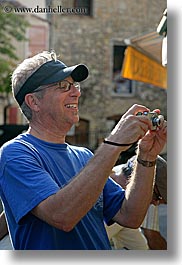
point(48, 135)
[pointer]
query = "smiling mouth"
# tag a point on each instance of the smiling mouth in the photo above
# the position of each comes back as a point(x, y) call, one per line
point(71, 106)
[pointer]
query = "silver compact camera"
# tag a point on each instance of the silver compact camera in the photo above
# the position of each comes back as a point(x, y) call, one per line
point(155, 118)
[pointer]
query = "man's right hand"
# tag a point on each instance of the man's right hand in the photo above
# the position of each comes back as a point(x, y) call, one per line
point(131, 128)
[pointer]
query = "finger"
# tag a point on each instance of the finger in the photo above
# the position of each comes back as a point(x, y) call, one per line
point(157, 111)
point(135, 109)
point(145, 121)
point(163, 126)
point(144, 129)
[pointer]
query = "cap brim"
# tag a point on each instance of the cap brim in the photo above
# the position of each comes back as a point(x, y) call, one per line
point(77, 72)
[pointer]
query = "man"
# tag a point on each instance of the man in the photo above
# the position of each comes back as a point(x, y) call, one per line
point(133, 238)
point(151, 225)
point(57, 196)
point(123, 237)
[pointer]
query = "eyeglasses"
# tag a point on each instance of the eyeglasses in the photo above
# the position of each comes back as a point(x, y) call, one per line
point(64, 86)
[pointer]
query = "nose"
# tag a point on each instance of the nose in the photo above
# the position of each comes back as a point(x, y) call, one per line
point(75, 91)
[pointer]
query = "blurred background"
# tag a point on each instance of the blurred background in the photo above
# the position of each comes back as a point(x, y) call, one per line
point(117, 40)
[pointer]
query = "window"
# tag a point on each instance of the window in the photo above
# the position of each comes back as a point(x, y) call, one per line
point(121, 86)
point(87, 4)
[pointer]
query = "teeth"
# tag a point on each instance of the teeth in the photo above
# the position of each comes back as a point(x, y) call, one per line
point(73, 106)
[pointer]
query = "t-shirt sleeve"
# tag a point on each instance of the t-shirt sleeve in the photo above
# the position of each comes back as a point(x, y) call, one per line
point(26, 184)
point(113, 196)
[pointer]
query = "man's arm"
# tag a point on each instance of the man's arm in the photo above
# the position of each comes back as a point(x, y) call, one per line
point(3, 226)
point(138, 196)
point(155, 240)
point(66, 208)
point(140, 189)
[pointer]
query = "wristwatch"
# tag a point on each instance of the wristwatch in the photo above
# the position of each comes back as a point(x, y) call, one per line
point(146, 163)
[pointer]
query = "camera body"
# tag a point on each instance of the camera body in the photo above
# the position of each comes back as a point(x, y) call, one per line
point(155, 118)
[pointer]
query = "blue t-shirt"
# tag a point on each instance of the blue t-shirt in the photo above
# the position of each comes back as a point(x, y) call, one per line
point(31, 171)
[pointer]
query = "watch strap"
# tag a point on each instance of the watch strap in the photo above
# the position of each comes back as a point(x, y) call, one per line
point(146, 163)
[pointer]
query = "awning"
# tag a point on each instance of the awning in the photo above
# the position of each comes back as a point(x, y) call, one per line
point(150, 44)
point(138, 66)
point(143, 60)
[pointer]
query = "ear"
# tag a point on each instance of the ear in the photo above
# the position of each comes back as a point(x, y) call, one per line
point(32, 101)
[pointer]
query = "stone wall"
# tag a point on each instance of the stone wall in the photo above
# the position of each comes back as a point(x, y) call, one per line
point(90, 39)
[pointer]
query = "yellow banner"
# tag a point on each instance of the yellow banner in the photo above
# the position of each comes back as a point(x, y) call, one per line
point(138, 66)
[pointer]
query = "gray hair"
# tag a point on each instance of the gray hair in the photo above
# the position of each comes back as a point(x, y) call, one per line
point(24, 71)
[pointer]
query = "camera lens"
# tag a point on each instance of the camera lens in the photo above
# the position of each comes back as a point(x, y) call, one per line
point(156, 121)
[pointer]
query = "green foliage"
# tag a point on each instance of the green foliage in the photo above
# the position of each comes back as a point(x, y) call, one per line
point(12, 27)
